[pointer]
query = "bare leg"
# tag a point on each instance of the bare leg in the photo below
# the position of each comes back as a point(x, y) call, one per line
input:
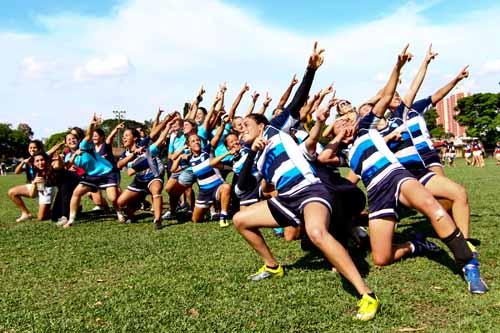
point(78, 193)
point(248, 222)
point(317, 217)
point(198, 214)
point(384, 252)
point(43, 212)
point(15, 195)
point(413, 194)
point(155, 189)
point(442, 187)
point(225, 197)
point(438, 170)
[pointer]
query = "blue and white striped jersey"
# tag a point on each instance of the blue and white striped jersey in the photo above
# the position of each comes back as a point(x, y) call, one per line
point(208, 178)
point(369, 157)
point(282, 164)
point(417, 127)
point(147, 165)
point(403, 149)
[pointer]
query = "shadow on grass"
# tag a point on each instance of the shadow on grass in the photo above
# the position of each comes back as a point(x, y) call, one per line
point(314, 260)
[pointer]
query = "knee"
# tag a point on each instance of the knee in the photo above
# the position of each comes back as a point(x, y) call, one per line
point(380, 259)
point(226, 189)
point(11, 193)
point(461, 193)
point(238, 221)
point(317, 235)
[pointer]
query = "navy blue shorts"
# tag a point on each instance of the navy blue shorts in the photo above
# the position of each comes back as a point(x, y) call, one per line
point(142, 186)
point(111, 179)
point(206, 197)
point(431, 159)
point(250, 197)
point(288, 210)
point(422, 175)
point(383, 198)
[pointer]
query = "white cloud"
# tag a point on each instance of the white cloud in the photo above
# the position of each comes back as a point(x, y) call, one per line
point(110, 66)
point(32, 68)
point(175, 46)
point(491, 67)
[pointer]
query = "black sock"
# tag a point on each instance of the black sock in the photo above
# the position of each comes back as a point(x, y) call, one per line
point(458, 246)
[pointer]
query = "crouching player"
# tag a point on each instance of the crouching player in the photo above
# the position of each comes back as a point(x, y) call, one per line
point(388, 183)
point(211, 184)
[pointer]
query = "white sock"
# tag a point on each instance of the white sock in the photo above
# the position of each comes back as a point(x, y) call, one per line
point(412, 247)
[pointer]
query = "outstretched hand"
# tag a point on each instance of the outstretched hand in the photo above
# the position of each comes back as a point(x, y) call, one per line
point(323, 113)
point(316, 58)
point(259, 144)
point(255, 96)
point(267, 100)
point(294, 80)
point(464, 73)
point(404, 56)
point(430, 55)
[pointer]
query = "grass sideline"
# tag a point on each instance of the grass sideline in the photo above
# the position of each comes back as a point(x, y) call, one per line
point(102, 276)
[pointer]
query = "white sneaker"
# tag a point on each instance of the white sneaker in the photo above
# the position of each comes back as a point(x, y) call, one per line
point(121, 217)
point(96, 208)
point(61, 221)
point(167, 215)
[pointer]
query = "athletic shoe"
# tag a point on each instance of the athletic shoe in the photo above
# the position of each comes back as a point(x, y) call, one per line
point(167, 215)
point(367, 307)
point(214, 216)
point(158, 225)
point(183, 208)
point(62, 221)
point(24, 217)
point(473, 277)
point(121, 217)
point(223, 223)
point(265, 272)
point(68, 224)
point(96, 208)
point(422, 245)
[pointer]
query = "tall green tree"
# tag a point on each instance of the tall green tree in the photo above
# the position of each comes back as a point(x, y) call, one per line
point(435, 130)
point(481, 114)
point(54, 139)
point(13, 142)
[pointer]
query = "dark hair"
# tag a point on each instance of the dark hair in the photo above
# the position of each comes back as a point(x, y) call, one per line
point(135, 132)
point(228, 134)
point(190, 135)
point(192, 122)
point(99, 132)
point(38, 144)
point(203, 110)
point(259, 118)
point(80, 134)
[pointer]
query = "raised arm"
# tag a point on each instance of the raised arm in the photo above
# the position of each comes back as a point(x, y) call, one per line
point(157, 118)
point(307, 109)
point(442, 92)
point(196, 102)
point(389, 89)
point(111, 136)
point(288, 91)
point(216, 161)
point(315, 132)
point(265, 104)
point(251, 106)
point(218, 134)
point(90, 129)
point(419, 78)
point(55, 148)
point(237, 101)
point(299, 99)
point(207, 123)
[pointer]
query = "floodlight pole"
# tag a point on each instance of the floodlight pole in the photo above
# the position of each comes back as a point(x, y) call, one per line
point(119, 115)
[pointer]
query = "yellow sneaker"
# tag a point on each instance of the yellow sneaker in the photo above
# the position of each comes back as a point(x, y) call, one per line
point(223, 223)
point(368, 307)
point(265, 272)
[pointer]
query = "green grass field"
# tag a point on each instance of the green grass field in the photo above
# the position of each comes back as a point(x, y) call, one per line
point(102, 276)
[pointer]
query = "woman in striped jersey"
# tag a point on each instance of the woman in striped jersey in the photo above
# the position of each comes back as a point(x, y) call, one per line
point(301, 199)
point(389, 184)
point(414, 153)
point(211, 184)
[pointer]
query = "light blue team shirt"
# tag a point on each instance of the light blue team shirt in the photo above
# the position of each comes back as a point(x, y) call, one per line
point(93, 163)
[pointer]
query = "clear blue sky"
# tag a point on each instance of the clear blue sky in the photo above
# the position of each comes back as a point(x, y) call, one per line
point(302, 16)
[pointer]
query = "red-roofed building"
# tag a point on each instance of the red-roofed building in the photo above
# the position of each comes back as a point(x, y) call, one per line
point(446, 112)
